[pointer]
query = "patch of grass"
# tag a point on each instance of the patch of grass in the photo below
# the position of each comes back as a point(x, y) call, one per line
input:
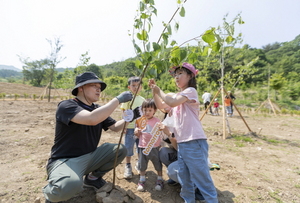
point(297, 186)
point(251, 188)
point(275, 196)
point(239, 144)
point(273, 141)
point(243, 138)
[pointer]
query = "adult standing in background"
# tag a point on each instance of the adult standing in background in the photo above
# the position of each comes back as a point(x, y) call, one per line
point(206, 100)
point(232, 98)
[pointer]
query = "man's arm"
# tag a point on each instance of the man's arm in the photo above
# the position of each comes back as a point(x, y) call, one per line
point(95, 117)
point(118, 126)
point(85, 117)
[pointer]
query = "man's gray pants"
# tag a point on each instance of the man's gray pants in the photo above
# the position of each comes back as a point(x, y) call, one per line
point(65, 176)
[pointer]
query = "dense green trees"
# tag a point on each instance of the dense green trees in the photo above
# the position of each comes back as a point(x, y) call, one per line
point(246, 69)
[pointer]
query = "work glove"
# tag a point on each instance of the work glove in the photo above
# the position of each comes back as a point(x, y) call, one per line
point(124, 97)
point(130, 115)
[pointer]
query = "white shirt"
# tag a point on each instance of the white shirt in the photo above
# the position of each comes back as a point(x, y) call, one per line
point(206, 97)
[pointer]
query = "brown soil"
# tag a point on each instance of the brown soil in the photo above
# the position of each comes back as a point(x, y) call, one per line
point(262, 167)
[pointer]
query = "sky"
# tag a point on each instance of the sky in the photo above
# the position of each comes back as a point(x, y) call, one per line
point(101, 27)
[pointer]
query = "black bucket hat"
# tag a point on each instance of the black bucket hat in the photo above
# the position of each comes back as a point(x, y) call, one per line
point(86, 78)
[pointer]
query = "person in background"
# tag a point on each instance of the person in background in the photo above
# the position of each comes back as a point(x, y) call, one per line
point(206, 101)
point(75, 153)
point(216, 108)
point(142, 131)
point(232, 98)
point(135, 86)
point(227, 102)
point(191, 139)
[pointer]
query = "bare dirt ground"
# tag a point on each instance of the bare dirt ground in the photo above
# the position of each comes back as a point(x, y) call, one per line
point(264, 167)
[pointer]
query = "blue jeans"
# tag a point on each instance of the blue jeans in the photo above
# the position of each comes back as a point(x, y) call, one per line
point(130, 139)
point(193, 171)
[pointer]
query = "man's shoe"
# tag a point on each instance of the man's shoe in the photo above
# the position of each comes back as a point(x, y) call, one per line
point(128, 171)
point(172, 182)
point(96, 184)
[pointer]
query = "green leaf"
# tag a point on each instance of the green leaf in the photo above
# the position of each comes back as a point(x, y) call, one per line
point(169, 29)
point(176, 26)
point(216, 46)
point(154, 10)
point(229, 39)
point(183, 54)
point(240, 21)
point(138, 64)
point(173, 43)
point(165, 38)
point(142, 6)
point(155, 46)
point(182, 12)
point(137, 48)
point(192, 58)
point(143, 35)
point(151, 2)
point(144, 16)
point(209, 37)
point(148, 46)
point(175, 55)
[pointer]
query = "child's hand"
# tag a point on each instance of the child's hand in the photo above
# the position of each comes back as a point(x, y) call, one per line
point(151, 83)
point(164, 128)
point(137, 132)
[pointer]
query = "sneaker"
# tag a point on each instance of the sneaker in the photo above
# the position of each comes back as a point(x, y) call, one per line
point(159, 185)
point(136, 167)
point(96, 184)
point(141, 186)
point(214, 166)
point(128, 171)
point(172, 182)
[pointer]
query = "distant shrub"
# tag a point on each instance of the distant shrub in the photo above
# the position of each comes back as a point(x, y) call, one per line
point(17, 96)
point(26, 96)
point(2, 96)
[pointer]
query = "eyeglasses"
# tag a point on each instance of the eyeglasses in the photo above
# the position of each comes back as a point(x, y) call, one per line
point(96, 87)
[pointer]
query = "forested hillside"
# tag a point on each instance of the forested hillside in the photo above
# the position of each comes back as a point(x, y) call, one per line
point(254, 74)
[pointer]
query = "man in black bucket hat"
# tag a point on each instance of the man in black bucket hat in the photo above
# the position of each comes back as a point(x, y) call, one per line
point(79, 123)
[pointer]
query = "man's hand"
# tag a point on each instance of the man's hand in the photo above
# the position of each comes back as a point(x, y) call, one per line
point(124, 97)
point(130, 115)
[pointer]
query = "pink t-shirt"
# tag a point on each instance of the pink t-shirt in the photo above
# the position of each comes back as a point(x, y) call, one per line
point(186, 117)
point(146, 136)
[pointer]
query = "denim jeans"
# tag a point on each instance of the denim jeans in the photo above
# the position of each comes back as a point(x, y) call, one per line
point(193, 171)
point(130, 139)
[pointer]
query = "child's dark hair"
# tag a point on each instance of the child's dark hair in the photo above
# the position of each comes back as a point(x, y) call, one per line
point(134, 79)
point(192, 82)
point(149, 103)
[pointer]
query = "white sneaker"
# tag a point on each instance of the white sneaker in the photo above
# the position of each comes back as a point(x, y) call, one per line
point(128, 172)
point(159, 185)
point(136, 167)
point(141, 186)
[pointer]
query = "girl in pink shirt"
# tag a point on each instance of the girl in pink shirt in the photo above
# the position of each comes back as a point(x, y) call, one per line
point(144, 127)
point(191, 139)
